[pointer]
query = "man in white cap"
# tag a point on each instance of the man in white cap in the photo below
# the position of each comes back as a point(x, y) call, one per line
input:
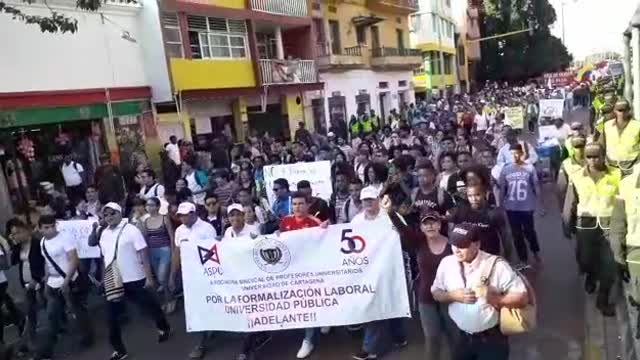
point(203, 234)
point(373, 212)
point(238, 228)
point(123, 244)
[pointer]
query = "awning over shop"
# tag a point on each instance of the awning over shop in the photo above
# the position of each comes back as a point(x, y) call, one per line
point(54, 115)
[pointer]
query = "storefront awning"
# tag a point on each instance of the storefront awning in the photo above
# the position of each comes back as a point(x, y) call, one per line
point(366, 20)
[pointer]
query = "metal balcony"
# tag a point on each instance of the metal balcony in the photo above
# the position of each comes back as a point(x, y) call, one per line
point(396, 58)
point(281, 7)
point(404, 7)
point(274, 71)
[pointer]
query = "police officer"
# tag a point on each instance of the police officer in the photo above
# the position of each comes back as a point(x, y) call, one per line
point(367, 124)
point(621, 138)
point(625, 232)
point(355, 127)
point(606, 114)
point(589, 206)
point(572, 164)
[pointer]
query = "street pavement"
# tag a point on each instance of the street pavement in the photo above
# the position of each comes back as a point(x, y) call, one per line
point(560, 334)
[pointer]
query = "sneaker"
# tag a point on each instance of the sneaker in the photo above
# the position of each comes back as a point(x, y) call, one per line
point(163, 335)
point(118, 356)
point(365, 356)
point(305, 349)
point(325, 330)
point(197, 352)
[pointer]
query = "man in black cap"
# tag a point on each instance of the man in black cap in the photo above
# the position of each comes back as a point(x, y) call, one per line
point(467, 281)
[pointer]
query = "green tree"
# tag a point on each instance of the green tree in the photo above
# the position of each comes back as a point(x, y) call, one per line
point(524, 55)
point(55, 21)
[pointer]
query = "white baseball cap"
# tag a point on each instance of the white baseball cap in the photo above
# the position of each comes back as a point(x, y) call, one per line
point(369, 192)
point(233, 207)
point(186, 208)
point(112, 206)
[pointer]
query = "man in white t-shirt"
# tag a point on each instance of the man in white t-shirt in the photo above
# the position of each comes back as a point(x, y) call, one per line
point(73, 175)
point(481, 123)
point(173, 150)
point(195, 231)
point(135, 269)
point(238, 228)
point(61, 268)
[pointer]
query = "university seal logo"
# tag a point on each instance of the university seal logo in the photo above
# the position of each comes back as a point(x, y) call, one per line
point(271, 255)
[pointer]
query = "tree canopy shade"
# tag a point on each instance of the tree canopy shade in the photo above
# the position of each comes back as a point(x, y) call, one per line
point(521, 56)
point(55, 22)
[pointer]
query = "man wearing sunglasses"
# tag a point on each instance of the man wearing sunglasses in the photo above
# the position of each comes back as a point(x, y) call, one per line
point(588, 207)
point(621, 138)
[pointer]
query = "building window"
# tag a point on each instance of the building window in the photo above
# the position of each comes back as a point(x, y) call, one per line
point(447, 64)
point(448, 3)
point(172, 36)
point(217, 38)
point(402, 83)
point(434, 24)
point(266, 46)
point(383, 85)
point(361, 35)
point(461, 55)
point(400, 36)
point(334, 34)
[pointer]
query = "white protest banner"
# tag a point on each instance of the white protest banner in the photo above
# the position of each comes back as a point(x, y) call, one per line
point(514, 117)
point(344, 274)
point(552, 108)
point(318, 173)
point(79, 231)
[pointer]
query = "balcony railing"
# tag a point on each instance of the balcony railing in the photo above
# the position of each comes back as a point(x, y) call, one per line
point(287, 71)
point(353, 51)
point(409, 5)
point(389, 51)
point(281, 7)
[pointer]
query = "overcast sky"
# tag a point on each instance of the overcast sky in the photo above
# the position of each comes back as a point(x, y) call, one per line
point(593, 26)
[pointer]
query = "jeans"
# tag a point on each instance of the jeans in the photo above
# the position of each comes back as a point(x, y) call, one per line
point(15, 315)
point(310, 334)
point(85, 268)
point(31, 299)
point(437, 327)
point(161, 264)
point(373, 334)
point(133, 291)
point(489, 345)
point(56, 301)
point(523, 226)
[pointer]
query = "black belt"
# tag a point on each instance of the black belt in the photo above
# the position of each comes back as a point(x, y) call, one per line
point(486, 334)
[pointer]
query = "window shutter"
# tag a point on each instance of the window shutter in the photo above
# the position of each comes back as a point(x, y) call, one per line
point(217, 24)
point(237, 26)
point(197, 23)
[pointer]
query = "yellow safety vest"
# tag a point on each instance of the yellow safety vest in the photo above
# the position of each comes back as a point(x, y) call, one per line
point(623, 146)
point(596, 198)
point(630, 193)
point(571, 167)
point(367, 126)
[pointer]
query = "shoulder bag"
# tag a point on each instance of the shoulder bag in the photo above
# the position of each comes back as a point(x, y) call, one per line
point(113, 284)
point(516, 321)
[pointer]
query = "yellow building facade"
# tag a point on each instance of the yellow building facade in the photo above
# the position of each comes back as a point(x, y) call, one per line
point(364, 57)
point(238, 67)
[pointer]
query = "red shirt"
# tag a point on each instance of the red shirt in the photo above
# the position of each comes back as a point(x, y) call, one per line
point(290, 223)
